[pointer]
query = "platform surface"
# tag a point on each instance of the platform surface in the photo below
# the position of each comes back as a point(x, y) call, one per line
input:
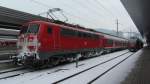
point(140, 74)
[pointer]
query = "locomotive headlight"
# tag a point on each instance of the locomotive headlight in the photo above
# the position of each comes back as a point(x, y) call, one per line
point(31, 48)
point(30, 40)
point(39, 44)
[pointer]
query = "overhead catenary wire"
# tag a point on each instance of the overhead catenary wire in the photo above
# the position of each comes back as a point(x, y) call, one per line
point(97, 7)
point(105, 8)
point(37, 2)
point(81, 18)
point(96, 21)
point(114, 7)
point(87, 7)
point(80, 12)
point(98, 2)
point(49, 13)
point(42, 4)
point(117, 20)
point(92, 18)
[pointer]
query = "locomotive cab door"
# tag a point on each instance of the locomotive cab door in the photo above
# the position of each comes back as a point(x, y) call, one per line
point(53, 38)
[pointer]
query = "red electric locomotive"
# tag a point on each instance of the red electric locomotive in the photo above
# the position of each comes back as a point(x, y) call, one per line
point(43, 42)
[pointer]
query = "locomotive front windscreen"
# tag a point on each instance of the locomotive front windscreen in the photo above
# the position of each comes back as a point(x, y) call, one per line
point(33, 28)
point(23, 29)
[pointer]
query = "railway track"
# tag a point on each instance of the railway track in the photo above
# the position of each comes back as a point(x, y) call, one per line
point(14, 72)
point(90, 82)
point(11, 70)
point(88, 69)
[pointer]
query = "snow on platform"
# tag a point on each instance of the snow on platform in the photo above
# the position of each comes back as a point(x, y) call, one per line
point(140, 74)
point(86, 77)
point(118, 74)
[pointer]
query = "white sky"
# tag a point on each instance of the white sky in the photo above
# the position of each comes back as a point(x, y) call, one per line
point(89, 13)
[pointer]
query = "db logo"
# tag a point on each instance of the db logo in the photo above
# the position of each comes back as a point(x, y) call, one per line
point(85, 43)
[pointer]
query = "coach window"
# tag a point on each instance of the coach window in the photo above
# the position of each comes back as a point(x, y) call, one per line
point(49, 30)
point(79, 34)
point(88, 35)
point(64, 32)
point(84, 35)
point(110, 42)
point(94, 36)
point(68, 32)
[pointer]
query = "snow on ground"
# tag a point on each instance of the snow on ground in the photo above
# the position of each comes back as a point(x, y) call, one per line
point(12, 73)
point(118, 74)
point(84, 78)
point(47, 76)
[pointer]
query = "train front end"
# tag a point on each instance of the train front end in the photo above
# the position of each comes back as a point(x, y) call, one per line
point(27, 45)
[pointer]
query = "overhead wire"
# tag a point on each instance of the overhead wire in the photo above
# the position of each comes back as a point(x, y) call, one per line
point(45, 5)
point(37, 2)
point(84, 5)
point(104, 7)
point(100, 6)
point(99, 14)
point(79, 12)
point(81, 18)
point(42, 4)
point(108, 10)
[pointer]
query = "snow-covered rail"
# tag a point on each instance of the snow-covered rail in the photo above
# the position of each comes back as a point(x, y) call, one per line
point(12, 72)
point(90, 82)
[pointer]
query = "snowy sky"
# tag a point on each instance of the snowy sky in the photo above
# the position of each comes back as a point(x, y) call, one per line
point(89, 13)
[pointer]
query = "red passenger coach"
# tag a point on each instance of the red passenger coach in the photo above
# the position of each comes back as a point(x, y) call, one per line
point(112, 43)
point(43, 42)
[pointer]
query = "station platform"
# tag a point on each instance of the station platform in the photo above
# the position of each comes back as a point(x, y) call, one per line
point(140, 74)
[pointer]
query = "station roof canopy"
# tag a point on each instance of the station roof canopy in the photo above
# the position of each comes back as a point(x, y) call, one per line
point(10, 18)
point(140, 14)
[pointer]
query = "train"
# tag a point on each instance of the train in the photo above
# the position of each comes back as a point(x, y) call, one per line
point(8, 39)
point(135, 44)
point(7, 44)
point(45, 43)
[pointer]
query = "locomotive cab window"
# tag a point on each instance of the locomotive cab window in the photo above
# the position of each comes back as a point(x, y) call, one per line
point(110, 42)
point(23, 29)
point(33, 28)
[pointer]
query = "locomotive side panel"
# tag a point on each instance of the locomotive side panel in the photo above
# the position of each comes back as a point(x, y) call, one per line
point(77, 40)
